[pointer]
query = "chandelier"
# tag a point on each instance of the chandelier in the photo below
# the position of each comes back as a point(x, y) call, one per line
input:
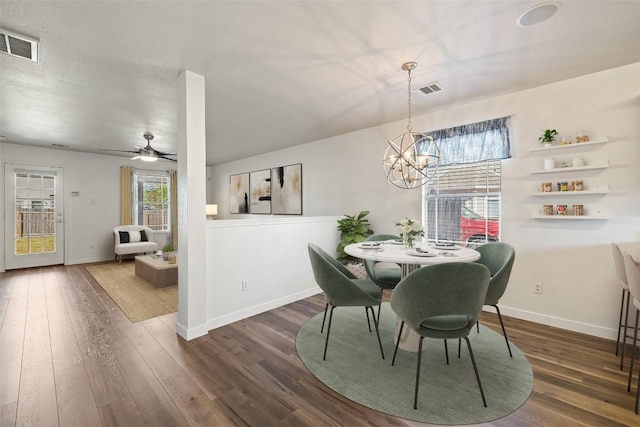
point(412, 159)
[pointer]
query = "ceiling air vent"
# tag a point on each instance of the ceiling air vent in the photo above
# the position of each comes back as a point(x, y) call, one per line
point(17, 45)
point(430, 88)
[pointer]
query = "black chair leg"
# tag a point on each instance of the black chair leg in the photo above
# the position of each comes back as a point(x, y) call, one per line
point(446, 351)
point(397, 343)
point(624, 334)
point(368, 321)
point(375, 322)
point(325, 317)
point(459, 346)
point(326, 341)
point(415, 397)
point(504, 332)
point(475, 368)
point(624, 293)
point(633, 350)
point(478, 327)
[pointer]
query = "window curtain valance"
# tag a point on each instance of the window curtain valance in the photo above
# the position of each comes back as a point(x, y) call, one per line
point(475, 142)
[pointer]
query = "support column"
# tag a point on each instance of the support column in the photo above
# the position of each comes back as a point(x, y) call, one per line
point(192, 292)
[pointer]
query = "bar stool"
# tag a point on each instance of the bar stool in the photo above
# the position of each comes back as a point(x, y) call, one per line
point(633, 277)
point(618, 260)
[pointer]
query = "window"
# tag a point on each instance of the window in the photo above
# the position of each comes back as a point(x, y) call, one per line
point(151, 200)
point(462, 202)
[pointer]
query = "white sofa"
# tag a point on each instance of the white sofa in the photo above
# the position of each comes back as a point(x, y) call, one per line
point(130, 240)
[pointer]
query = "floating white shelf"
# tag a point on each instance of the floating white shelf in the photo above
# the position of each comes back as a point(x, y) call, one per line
point(568, 217)
point(574, 168)
point(598, 189)
point(570, 146)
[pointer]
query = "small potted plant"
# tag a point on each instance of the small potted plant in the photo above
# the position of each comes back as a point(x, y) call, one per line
point(548, 137)
point(166, 250)
point(353, 229)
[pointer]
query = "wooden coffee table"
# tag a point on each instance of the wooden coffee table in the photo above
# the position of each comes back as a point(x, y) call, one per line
point(157, 271)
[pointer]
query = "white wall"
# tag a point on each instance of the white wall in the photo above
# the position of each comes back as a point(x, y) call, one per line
point(571, 258)
point(90, 218)
point(270, 255)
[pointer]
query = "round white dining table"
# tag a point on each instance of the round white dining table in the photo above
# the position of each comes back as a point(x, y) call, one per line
point(409, 260)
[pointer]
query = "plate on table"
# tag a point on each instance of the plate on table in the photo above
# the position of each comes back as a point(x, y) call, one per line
point(446, 246)
point(394, 242)
point(422, 253)
point(370, 245)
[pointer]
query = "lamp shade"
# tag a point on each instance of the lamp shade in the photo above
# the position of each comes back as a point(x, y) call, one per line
point(212, 210)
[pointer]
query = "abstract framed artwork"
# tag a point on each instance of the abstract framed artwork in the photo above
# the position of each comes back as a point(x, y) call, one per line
point(286, 190)
point(260, 192)
point(239, 193)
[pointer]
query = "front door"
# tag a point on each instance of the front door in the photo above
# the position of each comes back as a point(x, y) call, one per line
point(34, 221)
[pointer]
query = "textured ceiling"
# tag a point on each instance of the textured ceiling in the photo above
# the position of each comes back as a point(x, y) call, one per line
point(282, 73)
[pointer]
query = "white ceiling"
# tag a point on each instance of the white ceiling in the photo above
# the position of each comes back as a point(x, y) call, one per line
point(282, 73)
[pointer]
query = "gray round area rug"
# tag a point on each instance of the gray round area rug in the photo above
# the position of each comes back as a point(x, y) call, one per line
point(449, 394)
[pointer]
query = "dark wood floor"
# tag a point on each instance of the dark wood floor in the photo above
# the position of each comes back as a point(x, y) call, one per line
point(69, 356)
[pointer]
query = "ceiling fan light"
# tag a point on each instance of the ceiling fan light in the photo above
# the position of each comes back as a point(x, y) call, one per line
point(147, 158)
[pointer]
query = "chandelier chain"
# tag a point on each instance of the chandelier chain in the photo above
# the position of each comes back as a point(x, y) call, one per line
point(409, 100)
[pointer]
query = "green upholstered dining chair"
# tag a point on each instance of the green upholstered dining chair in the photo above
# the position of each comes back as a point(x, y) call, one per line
point(384, 274)
point(441, 301)
point(498, 257)
point(342, 288)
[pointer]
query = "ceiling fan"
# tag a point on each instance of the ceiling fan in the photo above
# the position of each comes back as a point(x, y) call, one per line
point(148, 153)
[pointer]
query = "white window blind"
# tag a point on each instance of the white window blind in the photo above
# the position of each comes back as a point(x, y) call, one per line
point(462, 203)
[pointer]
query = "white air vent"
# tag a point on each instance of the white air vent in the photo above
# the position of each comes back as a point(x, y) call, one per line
point(56, 145)
point(17, 45)
point(430, 88)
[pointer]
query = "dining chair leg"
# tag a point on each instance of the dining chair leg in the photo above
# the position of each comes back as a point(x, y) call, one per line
point(624, 293)
point(446, 351)
point(475, 369)
point(459, 346)
point(633, 350)
point(397, 343)
point(375, 322)
point(368, 321)
point(326, 341)
point(504, 332)
point(624, 334)
point(415, 397)
point(326, 306)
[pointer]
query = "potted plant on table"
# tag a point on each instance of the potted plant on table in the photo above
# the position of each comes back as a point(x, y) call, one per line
point(166, 250)
point(548, 137)
point(353, 229)
point(409, 230)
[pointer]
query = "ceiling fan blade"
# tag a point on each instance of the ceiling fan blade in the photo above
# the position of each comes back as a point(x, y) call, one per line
point(162, 153)
point(121, 151)
point(167, 158)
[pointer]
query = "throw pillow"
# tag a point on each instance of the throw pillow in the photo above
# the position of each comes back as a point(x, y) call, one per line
point(143, 236)
point(134, 236)
point(124, 236)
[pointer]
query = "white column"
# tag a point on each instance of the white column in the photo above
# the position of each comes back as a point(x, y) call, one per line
point(192, 292)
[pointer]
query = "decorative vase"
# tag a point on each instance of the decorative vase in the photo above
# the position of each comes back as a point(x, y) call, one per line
point(165, 256)
point(409, 241)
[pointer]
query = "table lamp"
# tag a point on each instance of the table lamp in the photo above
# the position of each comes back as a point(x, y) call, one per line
point(212, 210)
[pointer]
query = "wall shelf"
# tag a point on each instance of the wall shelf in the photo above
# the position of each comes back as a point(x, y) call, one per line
point(597, 190)
point(569, 217)
point(570, 146)
point(574, 168)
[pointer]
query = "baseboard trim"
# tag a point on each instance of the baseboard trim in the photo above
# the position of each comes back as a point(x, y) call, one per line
point(557, 322)
point(189, 334)
point(218, 322)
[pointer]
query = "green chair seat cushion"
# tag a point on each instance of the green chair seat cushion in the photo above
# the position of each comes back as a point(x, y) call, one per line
point(450, 322)
point(390, 276)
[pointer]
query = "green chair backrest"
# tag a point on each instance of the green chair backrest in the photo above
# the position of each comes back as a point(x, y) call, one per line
point(498, 257)
point(334, 278)
point(450, 289)
point(369, 263)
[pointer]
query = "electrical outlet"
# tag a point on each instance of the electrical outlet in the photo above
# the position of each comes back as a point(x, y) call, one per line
point(537, 287)
point(245, 285)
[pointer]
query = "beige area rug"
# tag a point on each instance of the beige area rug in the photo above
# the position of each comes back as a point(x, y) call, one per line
point(137, 298)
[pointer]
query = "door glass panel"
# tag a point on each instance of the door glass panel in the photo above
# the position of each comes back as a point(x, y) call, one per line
point(35, 225)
